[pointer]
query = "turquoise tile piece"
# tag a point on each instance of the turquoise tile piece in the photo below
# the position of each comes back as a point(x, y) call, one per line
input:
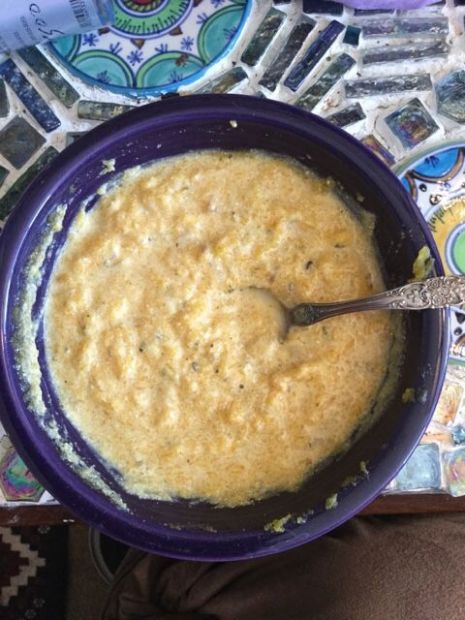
point(422, 471)
point(19, 141)
point(62, 89)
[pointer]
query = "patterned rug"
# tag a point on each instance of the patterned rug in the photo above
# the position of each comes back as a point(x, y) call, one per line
point(33, 569)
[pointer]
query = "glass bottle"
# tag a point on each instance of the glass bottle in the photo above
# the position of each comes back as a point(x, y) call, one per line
point(28, 22)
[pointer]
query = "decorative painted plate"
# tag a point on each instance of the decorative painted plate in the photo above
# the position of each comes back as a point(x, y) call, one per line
point(436, 182)
point(154, 46)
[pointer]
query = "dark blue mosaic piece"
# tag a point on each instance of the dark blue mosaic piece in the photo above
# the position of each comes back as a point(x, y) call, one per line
point(422, 470)
point(4, 103)
point(412, 123)
point(73, 136)
point(19, 141)
point(376, 147)
point(405, 52)
point(369, 87)
point(360, 12)
point(294, 42)
point(347, 116)
point(351, 35)
point(325, 7)
point(50, 76)
point(313, 55)
point(263, 37)
point(326, 81)
point(98, 111)
point(29, 96)
point(3, 174)
point(450, 93)
point(424, 26)
point(225, 82)
point(278, 2)
point(9, 200)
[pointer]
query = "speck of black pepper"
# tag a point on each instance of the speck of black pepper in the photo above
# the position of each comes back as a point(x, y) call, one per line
point(141, 349)
point(241, 387)
point(216, 371)
point(339, 246)
point(308, 264)
point(211, 346)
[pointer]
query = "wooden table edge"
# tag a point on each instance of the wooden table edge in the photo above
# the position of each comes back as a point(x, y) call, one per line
point(412, 503)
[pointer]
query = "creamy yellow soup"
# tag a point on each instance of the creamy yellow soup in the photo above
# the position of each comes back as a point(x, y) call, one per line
point(172, 362)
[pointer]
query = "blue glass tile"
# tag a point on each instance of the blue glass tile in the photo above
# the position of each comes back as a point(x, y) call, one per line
point(376, 147)
point(3, 174)
point(263, 37)
point(325, 7)
point(225, 82)
point(294, 42)
point(29, 96)
point(422, 470)
point(360, 12)
point(352, 35)
point(313, 55)
point(424, 26)
point(326, 81)
point(458, 435)
point(4, 103)
point(369, 87)
point(405, 52)
point(49, 75)
point(347, 116)
point(450, 93)
point(98, 111)
point(19, 141)
point(9, 200)
point(412, 123)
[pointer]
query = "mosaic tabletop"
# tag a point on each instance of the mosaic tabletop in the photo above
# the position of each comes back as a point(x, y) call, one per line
point(393, 79)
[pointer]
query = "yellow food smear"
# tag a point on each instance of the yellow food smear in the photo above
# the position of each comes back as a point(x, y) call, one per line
point(168, 357)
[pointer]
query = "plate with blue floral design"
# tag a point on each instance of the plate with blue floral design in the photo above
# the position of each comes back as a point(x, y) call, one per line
point(436, 182)
point(154, 46)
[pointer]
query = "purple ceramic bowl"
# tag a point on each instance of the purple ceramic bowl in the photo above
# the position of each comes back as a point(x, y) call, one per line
point(171, 127)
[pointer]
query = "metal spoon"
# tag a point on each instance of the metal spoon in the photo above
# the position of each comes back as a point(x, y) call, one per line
point(432, 293)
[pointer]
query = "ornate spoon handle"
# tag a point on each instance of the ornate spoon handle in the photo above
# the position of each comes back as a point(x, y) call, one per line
point(432, 293)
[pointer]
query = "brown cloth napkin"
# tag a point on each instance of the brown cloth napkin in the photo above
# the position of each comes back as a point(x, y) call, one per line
point(389, 568)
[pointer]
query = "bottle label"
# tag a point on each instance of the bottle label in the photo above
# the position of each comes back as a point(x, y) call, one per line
point(26, 22)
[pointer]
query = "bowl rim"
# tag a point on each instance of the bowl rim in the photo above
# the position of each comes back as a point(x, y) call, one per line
point(59, 482)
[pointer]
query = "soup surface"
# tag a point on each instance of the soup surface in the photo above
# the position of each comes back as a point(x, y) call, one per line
point(170, 361)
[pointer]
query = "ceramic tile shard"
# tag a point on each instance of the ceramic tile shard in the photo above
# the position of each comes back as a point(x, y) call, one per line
point(424, 26)
point(294, 43)
point(450, 94)
point(325, 7)
point(29, 96)
point(352, 35)
point(412, 123)
point(326, 81)
point(370, 87)
point(313, 55)
point(360, 12)
point(98, 111)
point(263, 37)
point(16, 481)
point(9, 200)
point(422, 471)
point(224, 83)
point(50, 76)
point(4, 103)
point(454, 471)
point(410, 52)
point(19, 141)
point(347, 116)
point(376, 147)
